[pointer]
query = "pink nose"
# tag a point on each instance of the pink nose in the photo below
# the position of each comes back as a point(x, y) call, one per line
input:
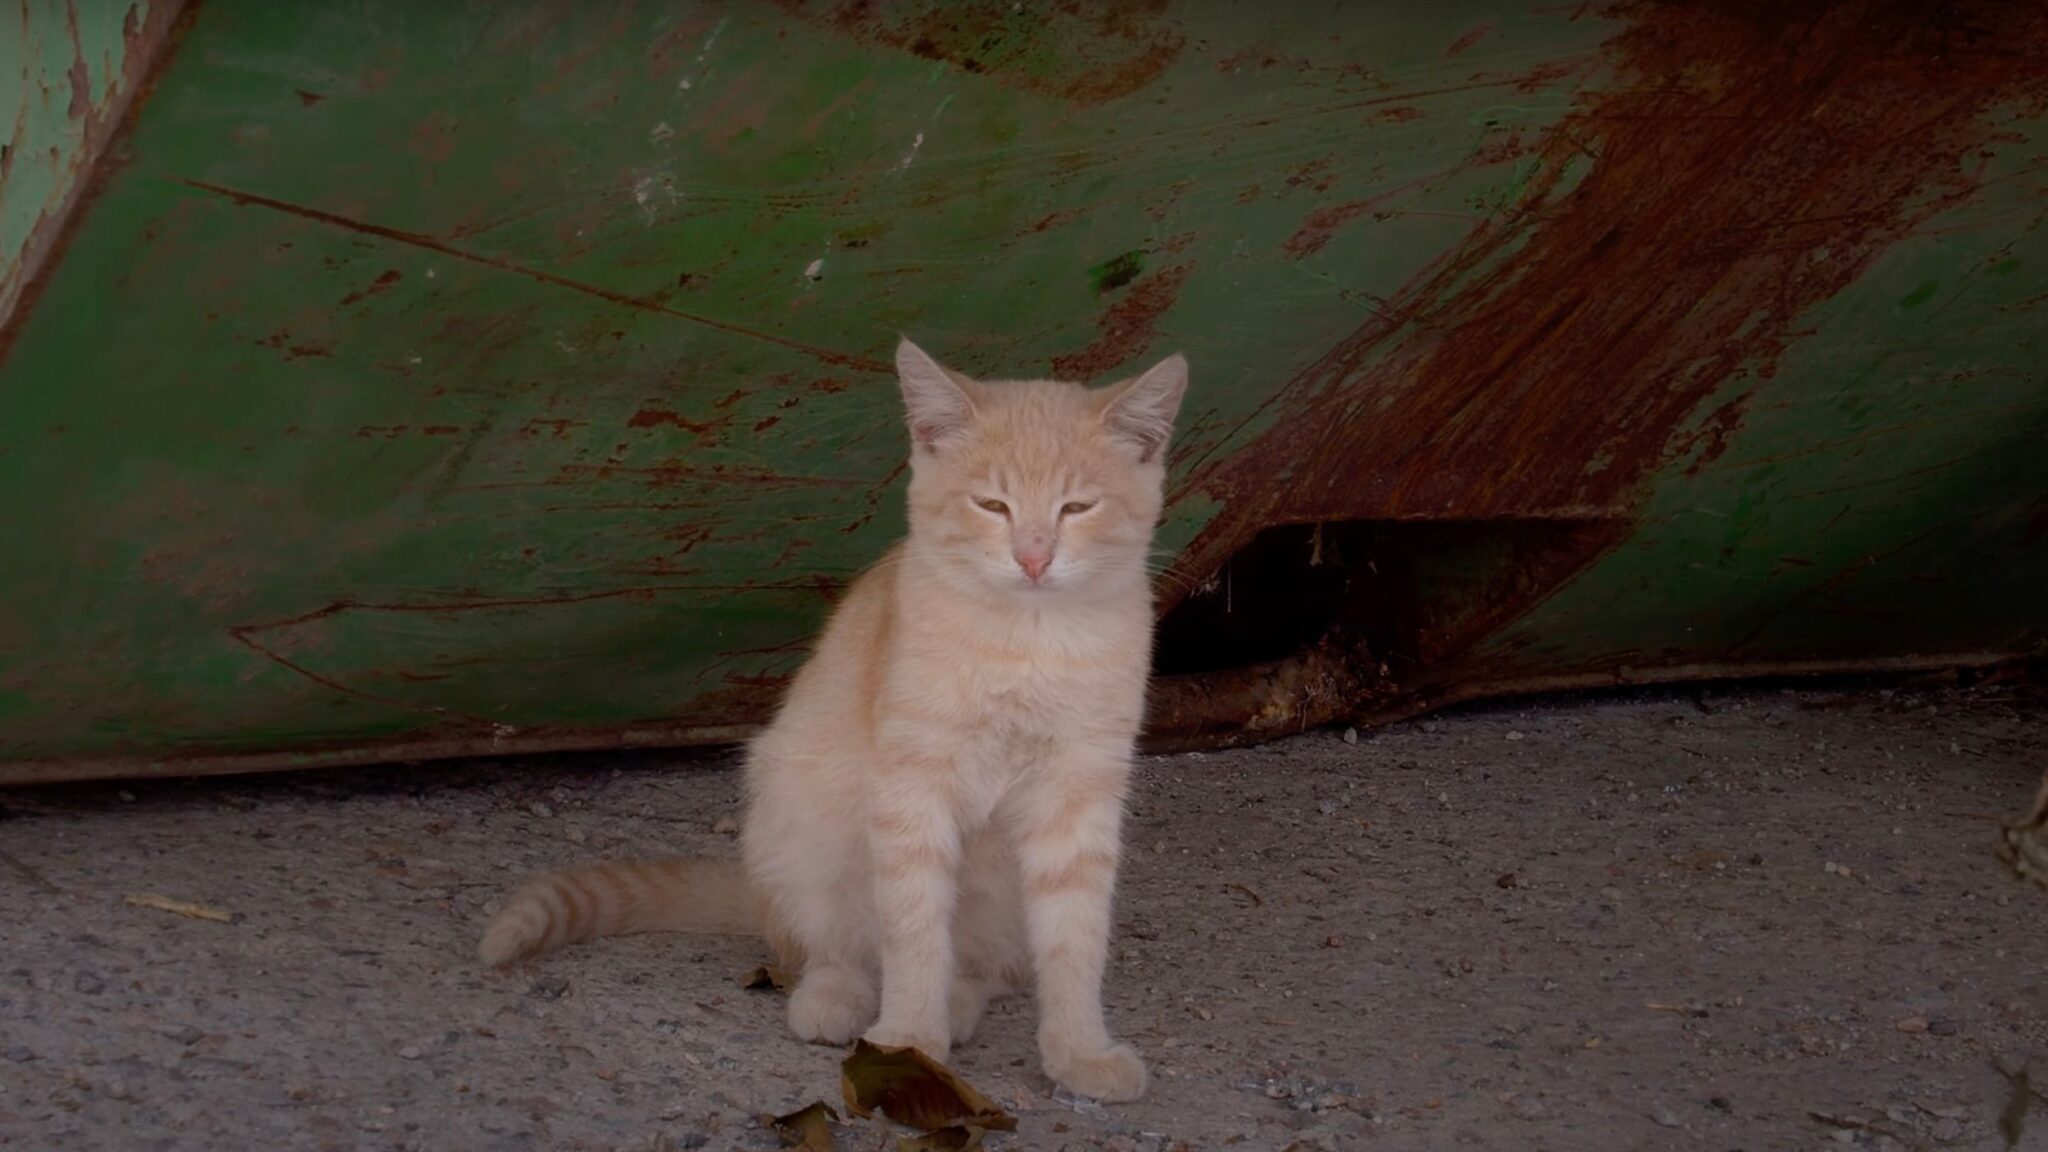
point(1034, 564)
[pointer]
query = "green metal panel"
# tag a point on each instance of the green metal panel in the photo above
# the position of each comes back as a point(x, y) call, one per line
point(432, 378)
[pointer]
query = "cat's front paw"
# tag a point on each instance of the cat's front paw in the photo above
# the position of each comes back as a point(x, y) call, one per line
point(1113, 1074)
point(935, 1045)
point(830, 1006)
point(964, 1006)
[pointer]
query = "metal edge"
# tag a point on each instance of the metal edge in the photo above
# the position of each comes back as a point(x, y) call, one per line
point(1188, 731)
point(155, 44)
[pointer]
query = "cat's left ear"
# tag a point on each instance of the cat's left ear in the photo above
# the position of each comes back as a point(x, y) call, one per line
point(1140, 412)
point(937, 399)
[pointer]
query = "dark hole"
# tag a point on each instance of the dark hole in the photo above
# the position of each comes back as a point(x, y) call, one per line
point(1410, 593)
point(1266, 602)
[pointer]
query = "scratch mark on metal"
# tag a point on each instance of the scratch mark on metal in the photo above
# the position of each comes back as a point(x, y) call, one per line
point(418, 240)
point(240, 635)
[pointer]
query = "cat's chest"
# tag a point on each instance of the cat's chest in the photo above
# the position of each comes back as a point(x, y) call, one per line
point(1019, 685)
point(1025, 693)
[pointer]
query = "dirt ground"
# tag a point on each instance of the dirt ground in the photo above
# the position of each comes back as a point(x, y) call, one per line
point(1742, 919)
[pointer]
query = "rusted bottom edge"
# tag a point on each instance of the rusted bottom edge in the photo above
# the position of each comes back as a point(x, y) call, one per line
point(1288, 712)
point(399, 751)
point(1264, 715)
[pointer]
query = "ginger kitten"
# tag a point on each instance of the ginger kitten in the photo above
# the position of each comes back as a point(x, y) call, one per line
point(934, 816)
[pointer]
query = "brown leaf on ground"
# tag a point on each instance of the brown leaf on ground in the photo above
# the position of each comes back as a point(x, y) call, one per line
point(2012, 1122)
point(808, 1128)
point(952, 1138)
point(911, 1088)
point(766, 978)
point(2023, 843)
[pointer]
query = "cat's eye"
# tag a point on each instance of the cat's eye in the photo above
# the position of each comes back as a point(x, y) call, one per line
point(995, 506)
point(1076, 507)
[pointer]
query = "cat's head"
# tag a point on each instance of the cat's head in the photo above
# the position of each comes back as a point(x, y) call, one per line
point(1037, 488)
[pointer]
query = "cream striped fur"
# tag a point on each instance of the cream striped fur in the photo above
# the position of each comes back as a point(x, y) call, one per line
point(934, 816)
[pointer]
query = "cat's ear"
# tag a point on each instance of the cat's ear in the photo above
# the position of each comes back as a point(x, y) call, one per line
point(935, 398)
point(1140, 412)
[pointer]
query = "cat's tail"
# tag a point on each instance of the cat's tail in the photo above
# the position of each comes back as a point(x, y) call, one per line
point(619, 897)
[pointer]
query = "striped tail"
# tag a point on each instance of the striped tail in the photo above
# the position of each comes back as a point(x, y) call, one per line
point(615, 898)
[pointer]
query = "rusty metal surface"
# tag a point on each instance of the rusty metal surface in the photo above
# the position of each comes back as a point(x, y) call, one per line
point(68, 72)
point(511, 379)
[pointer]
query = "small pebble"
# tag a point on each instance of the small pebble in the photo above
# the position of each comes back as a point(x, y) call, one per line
point(90, 983)
point(725, 826)
point(550, 987)
point(1351, 735)
point(1505, 880)
point(408, 1053)
point(576, 835)
point(1513, 735)
point(1942, 1027)
point(539, 809)
point(1913, 1024)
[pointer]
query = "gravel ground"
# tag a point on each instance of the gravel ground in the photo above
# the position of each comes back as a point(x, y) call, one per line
point(1742, 919)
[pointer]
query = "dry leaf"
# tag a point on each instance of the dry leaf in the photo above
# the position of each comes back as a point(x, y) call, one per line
point(2023, 843)
point(952, 1138)
point(809, 1128)
point(2012, 1122)
point(182, 908)
point(765, 978)
point(911, 1088)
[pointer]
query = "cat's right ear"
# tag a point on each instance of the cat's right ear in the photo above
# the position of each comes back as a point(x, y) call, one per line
point(934, 399)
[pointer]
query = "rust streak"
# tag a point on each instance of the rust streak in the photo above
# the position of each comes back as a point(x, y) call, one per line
point(419, 240)
point(1104, 52)
point(1590, 321)
point(1127, 328)
point(652, 417)
point(382, 283)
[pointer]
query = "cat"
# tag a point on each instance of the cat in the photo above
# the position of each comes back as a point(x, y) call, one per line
point(933, 817)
